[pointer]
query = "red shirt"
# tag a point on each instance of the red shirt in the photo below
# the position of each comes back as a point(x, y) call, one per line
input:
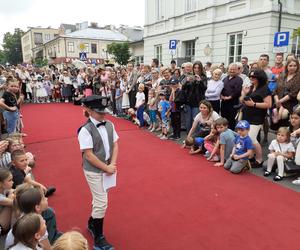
point(277, 71)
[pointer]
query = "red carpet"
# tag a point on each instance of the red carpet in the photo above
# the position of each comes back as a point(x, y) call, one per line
point(165, 199)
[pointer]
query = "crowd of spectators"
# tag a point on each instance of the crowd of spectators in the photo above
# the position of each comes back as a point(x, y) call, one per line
point(226, 114)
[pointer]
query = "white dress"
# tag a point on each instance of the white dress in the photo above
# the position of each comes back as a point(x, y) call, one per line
point(125, 97)
point(41, 91)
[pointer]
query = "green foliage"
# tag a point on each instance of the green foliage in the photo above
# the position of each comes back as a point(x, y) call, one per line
point(296, 32)
point(3, 59)
point(120, 51)
point(41, 62)
point(12, 46)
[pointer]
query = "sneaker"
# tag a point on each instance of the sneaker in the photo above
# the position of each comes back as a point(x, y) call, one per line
point(296, 182)
point(152, 130)
point(158, 129)
point(164, 137)
point(160, 135)
point(66, 101)
point(207, 154)
point(102, 244)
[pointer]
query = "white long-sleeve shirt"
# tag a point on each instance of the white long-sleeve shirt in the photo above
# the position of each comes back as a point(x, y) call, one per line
point(214, 89)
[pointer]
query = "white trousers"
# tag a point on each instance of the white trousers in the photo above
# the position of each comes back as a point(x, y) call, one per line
point(280, 163)
point(95, 182)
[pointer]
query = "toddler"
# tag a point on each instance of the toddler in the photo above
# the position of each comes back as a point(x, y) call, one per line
point(227, 138)
point(152, 107)
point(242, 150)
point(212, 144)
point(195, 144)
point(140, 104)
point(281, 149)
point(164, 109)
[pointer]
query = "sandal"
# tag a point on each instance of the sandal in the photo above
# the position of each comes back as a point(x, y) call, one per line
point(278, 178)
point(267, 173)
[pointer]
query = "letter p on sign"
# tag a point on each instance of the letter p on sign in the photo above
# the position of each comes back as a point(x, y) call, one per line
point(281, 39)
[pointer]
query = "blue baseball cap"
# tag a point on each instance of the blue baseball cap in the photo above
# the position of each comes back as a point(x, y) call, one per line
point(243, 124)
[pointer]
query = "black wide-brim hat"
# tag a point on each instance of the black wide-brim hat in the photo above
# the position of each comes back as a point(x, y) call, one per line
point(96, 103)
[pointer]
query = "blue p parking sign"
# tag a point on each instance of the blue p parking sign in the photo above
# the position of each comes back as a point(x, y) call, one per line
point(172, 44)
point(281, 39)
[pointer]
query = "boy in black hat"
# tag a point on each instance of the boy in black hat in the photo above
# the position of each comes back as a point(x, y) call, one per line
point(98, 143)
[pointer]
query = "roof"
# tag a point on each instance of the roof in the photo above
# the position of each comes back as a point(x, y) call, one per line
point(103, 34)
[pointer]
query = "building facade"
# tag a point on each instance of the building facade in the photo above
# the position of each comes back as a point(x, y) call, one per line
point(93, 41)
point(216, 30)
point(33, 40)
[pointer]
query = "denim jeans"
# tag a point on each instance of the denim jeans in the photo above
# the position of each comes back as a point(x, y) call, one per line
point(11, 120)
point(190, 113)
point(140, 115)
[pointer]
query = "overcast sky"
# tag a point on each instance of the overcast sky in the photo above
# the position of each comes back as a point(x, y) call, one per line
point(32, 13)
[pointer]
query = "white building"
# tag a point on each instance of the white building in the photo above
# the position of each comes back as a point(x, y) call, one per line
point(216, 30)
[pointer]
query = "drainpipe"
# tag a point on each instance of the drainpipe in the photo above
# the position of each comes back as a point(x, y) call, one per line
point(280, 14)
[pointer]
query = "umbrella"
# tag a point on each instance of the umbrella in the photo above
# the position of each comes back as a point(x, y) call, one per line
point(79, 64)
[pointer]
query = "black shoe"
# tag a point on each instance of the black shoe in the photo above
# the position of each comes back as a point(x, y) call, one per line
point(267, 173)
point(50, 191)
point(256, 164)
point(102, 244)
point(277, 178)
point(172, 137)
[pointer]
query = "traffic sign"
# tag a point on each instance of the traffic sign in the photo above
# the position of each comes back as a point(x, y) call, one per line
point(172, 44)
point(281, 39)
point(82, 56)
point(82, 46)
point(172, 52)
point(280, 49)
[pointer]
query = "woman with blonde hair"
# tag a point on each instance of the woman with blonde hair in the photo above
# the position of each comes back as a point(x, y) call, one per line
point(71, 240)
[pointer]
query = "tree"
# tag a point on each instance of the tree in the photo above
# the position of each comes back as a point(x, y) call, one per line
point(296, 32)
point(3, 59)
point(120, 51)
point(12, 46)
point(41, 62)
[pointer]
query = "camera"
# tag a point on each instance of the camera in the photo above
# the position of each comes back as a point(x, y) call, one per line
point(247, 98)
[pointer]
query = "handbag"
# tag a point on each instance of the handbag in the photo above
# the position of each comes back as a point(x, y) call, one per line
point(290, 165)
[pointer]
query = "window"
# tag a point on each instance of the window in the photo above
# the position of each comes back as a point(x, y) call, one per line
point(87, 46)
point(38, 38)
point(47, 37)
point(189, 48)
point(190, 5)
point(70, 47)
point(158, 52)
point(58, 48)
point(139, 60)
point(296, 46)
point(94, 48)
point(159, 10)
point(235, 47)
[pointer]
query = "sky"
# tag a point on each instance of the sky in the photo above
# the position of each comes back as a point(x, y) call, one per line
point(33, 13)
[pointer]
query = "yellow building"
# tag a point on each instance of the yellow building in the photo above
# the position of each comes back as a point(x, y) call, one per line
point(33, 40)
